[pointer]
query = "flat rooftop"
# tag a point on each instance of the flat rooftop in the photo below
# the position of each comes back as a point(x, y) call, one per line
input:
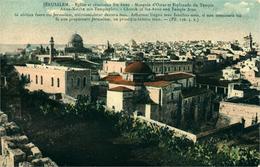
point(193, 92)
point(174, 76)
point(213, 81)
point(43, 66)
point(169, 62)
point(253, 100)
point(158, 82)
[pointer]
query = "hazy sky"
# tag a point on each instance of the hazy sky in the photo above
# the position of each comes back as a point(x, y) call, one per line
point(21, 30)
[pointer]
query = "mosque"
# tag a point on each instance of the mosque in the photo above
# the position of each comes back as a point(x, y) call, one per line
point(73, 50)
point(76, 45)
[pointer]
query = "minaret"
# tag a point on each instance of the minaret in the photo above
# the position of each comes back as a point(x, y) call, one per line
point(51, 50)
point(108, 45)
point(250, 41)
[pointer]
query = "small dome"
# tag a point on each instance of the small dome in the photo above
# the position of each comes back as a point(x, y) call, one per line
point(138, 67)
point(75, 38)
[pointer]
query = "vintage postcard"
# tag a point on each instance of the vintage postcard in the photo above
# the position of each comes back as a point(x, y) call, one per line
point(129, 83)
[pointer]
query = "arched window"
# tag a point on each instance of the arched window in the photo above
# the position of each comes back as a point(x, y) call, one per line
point(52, 81)
point(78, 82)
point(58, 82)
point(41, 80)
point(29, 77)
point(84, 81)
point(36, 79)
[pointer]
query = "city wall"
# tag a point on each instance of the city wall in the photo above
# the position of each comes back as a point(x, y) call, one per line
point(236, 111)
point(16, 150)
point(237, 128)
point(176, 131)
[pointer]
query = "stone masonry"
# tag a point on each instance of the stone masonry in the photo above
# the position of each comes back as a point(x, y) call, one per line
point(16, 150)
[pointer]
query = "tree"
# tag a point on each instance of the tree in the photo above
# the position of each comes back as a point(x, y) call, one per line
point(11, 85)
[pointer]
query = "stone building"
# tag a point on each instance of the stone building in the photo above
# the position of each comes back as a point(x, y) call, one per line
point(157, 67)
point(231, 74)
point(242, 103)
point(123, 93)
point(196, 107)
point(57, 79)
point(157, 97)
point(113, 67)
point(163, 67)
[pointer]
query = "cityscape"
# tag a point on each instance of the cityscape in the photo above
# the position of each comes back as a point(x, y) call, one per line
point(136, 103)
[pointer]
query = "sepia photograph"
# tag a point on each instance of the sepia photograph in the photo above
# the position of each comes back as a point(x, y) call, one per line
point(129, 83)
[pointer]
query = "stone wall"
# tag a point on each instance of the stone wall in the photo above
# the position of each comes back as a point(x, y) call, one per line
point(16, 150)
point(176, 131)
point(235, 129)
point(236, 111)
point(196, 110)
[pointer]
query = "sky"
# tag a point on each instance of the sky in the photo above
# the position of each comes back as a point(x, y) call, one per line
point(22, 30)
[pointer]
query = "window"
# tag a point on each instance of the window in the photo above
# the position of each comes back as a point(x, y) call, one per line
point(29, 77)
point(78, 82)
point(58, 82)
point(52, 81)
point(84, 81)
point(121, 70)
point(41, 80)
point(36, 79)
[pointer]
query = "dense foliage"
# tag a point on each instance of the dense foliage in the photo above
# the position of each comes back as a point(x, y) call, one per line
point(12, 85)
point(174, 148)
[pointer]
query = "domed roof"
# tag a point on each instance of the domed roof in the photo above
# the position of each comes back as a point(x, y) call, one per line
point(138, 67)
point(75, 38)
